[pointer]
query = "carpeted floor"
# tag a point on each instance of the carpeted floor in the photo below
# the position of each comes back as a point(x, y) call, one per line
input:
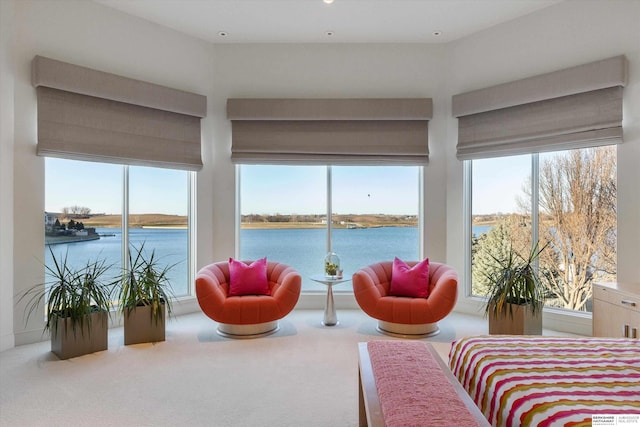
point(304, 375)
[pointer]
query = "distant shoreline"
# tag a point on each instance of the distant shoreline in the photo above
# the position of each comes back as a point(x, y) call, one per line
point(266, 226)
point(302, 225)
point(165, 227)
point(56, 240)
point(151, 221)
point(162, 221)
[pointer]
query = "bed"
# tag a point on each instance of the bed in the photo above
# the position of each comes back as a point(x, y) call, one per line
point(549, 381)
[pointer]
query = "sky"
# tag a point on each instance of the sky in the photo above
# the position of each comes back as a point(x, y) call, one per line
point(98, 186)
point(277, 189)
point(302, 190)
point(497, 184)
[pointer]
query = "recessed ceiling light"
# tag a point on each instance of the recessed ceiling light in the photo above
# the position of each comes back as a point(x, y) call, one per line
point(223, 33)
point(437, 33)
point(328, 1)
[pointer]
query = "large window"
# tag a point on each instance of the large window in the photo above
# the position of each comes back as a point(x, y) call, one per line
point(296, 214)
point(573, 195)
point(85, 204)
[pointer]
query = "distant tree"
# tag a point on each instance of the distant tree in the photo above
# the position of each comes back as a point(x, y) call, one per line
point(578, 194)
point(76, 212)
point(577, 212)
point(278, 218)
point(510, 230)
point(252, 218)
point(75, 225)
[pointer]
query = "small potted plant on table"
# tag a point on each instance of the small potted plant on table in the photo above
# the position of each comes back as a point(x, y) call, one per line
point(77, 303)
point(515, 297)
point(145, 296)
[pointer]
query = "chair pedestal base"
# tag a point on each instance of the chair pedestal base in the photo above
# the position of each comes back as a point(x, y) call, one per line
point(247, 331)
point(400, 330)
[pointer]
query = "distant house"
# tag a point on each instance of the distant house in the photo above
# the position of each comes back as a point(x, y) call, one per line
point(49, 220)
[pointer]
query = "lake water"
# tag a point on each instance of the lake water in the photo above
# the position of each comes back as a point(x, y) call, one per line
point(170, 246)
point(303, 249)
point(480, 229)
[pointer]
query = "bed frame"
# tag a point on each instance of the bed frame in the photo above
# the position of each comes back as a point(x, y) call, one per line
point(370, 408)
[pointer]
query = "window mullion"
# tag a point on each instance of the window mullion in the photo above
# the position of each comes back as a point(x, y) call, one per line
point(125, 217)
point(535, 201)
point(467, 227)
point(329, 208)
point(191, 232)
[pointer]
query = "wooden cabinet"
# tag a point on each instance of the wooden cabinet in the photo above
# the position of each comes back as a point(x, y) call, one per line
point(616, 310)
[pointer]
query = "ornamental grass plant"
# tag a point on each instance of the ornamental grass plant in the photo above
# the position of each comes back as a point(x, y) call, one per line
point(70, 293)
point(514, 281)
point(145, 282)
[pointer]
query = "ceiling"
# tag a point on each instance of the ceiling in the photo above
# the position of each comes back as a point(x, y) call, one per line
point(314, 21)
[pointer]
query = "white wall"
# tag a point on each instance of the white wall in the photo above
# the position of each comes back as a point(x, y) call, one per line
point(89, 34)
point(568, 34)
point(330, 71)
point(6, 174)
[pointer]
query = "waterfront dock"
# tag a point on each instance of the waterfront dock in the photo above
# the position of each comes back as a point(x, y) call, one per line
point(55, 240)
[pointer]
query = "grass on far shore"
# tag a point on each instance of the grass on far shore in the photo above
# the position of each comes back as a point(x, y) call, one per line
point(340, 221)
point(179, 221)
point(135, 221)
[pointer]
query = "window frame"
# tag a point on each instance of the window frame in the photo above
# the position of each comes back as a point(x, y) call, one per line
point(191, 226)
point(329, 212)
point(554, 317)
point(191, 249)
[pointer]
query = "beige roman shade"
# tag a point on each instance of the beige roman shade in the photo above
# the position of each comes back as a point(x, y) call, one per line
point(86, 114)
point(572, 108)
point(330, 131)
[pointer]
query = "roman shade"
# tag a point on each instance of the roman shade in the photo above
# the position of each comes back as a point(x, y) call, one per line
point(85, 114)
point(330, 131)
point(572, 108)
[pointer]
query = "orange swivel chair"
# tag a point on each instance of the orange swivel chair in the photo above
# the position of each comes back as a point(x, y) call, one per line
point(247, 316)
point(406, 317)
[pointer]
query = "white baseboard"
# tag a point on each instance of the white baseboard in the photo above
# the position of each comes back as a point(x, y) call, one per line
point(555, 320)
point(552, 319)
point(317, 300)
point(7, 341)
point(30, 337)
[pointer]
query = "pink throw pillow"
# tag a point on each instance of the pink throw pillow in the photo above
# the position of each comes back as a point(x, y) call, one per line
point(248, 279)
point(409, 282)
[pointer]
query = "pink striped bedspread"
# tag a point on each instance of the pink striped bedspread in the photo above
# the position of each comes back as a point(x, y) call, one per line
point(548, 381)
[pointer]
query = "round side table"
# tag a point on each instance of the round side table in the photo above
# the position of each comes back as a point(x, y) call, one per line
point(330, 317)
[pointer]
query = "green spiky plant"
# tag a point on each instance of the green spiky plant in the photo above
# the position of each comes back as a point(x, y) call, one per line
point(514, 281)
point(72, 293)
point(145, 283)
